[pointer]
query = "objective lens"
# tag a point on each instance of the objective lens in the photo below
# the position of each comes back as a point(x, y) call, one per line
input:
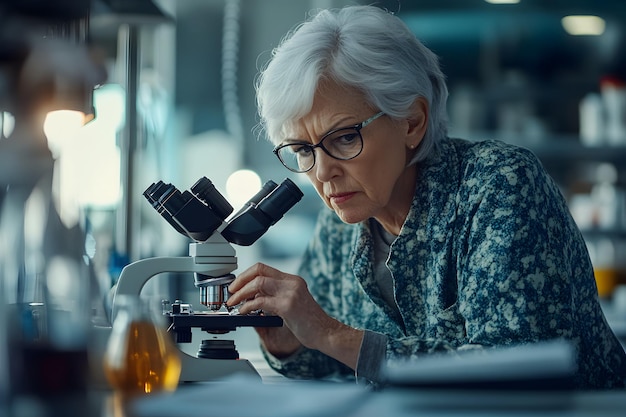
point(214, 296)
point(214, 290)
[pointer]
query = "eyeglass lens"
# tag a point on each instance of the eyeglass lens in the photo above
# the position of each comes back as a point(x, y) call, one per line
point(342, 144)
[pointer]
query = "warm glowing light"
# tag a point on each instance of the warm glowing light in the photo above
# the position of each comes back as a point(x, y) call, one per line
point(96, 156)
point(583, 25)
point(241, 186)
point(61, 126)
point(502, 1)
point(87, 156)
point(92, 174)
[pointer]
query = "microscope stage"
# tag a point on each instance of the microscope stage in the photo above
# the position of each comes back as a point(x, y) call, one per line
point(223, 321)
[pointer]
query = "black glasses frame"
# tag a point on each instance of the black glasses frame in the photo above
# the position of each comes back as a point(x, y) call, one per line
point(357, 127)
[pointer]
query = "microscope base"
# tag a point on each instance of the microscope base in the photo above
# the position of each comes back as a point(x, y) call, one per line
point(208, 365)
point(202, 369)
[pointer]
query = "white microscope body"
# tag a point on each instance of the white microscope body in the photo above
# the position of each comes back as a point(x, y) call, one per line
point(200, 215)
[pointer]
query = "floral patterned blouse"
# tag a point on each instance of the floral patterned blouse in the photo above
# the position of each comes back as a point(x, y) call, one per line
point(488, 255)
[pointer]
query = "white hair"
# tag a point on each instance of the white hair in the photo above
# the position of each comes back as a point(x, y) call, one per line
point(362, 47)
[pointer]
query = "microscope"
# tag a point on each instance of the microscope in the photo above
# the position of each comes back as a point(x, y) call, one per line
point(200, 214)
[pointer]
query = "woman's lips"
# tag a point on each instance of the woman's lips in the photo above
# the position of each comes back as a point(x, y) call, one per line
point(341, 198)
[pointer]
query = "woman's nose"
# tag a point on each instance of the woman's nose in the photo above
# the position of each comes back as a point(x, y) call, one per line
point(325, 166)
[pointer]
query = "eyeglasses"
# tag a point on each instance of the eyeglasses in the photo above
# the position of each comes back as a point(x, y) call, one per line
point(343, 144)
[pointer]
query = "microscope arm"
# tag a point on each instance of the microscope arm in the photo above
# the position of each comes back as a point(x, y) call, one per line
point(135, 275)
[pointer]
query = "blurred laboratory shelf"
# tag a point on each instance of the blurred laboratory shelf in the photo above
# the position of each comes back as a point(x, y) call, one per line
point(568, 151)
point(565, 150)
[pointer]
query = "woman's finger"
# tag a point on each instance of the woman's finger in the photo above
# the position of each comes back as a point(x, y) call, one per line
point(258, 279)
point(250, 274)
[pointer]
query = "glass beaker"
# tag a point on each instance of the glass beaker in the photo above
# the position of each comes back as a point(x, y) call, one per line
point(140, 357)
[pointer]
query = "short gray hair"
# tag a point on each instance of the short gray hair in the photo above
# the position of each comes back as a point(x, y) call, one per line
point(362, 47)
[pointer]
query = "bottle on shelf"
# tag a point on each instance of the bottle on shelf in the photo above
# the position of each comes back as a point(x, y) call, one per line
point(602, 115)
point(613, 92)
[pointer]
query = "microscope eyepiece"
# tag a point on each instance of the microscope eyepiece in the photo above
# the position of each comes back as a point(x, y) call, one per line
point(173, 200)
point(154, 194)
point(199, 212)
point(267, 188)
point(280, 200)
point(183, 211)
point(205, 191)
point(250, 225)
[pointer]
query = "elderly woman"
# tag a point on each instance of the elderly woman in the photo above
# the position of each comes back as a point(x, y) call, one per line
point(429, 244)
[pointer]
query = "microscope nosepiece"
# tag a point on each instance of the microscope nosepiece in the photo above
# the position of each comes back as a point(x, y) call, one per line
point(214, 290)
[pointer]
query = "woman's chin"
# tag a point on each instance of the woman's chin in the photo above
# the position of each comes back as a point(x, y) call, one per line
point(350, 217)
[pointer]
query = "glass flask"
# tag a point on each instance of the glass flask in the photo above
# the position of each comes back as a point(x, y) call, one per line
point(140, 357)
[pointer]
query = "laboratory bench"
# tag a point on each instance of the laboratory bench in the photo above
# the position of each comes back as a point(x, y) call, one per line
point(243, 398)
point(271, 394)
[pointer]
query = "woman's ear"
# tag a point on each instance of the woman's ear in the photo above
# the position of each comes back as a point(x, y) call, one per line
point(417, 122)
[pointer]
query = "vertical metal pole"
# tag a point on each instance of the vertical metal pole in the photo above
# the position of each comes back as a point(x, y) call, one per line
point(129, 42)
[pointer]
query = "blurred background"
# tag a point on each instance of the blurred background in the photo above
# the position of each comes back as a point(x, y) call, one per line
point(177, 103)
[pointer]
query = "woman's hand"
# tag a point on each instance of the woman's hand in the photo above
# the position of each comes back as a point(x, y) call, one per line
point(261, 287)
